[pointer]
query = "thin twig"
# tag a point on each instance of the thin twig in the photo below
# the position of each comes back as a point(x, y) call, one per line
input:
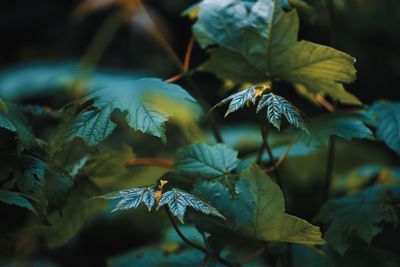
point(252, 256)
point(186, 63)
point(188, 54)
point(160, 37)
point(190, 243)
point(185, 73)
point(329, 168)
point(174, 78)
point(325, 103)
point(332, 140)
point(100, 42)
point(264, 135)
point(163, 163)
point(283, 156)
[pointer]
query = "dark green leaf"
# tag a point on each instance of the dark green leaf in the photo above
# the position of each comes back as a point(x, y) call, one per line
point(158, 256)
point(387, 122)
point(30, 176)
point(205, 161)
point(344, 125)
point(107, 166)
point(131, 198)
point(278, 106)
point(58, 186)
point(258, 42)
point(13, 120)
point(257, 210)
point(177, 201)
point(359, 215)
point(76, 211)
point(17, 199)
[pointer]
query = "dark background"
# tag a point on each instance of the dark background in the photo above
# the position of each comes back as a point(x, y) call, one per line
point(46, 31)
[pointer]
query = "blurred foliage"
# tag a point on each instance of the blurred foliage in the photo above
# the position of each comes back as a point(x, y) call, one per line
point(100, 96)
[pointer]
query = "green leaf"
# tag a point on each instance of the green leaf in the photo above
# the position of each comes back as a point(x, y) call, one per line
point(344, 125)
point(30, 176)
point(320, 69)
point(387, 123)
point(160, 256)
point(257, 210)
point(277, 106)
point(177, 201)
point(109, 165)
point(131, 198)
point(205, 161)
point(17, 199)
point(37, 79)
point(257, 42)
point(142, 100)
point(58, 186)
point(240, 99)
point(34, 177)
point(13, 120)
point(359, 215)
point(76, 211)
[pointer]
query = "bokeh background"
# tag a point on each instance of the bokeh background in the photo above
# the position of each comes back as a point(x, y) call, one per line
point(44, 40)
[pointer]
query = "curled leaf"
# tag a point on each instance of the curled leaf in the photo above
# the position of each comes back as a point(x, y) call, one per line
point(131, 198)
point(178, 200)
point(238, 100)
point(278, 106)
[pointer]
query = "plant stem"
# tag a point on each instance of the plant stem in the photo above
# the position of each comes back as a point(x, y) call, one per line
point(264, 135)
point(181, 235)
point(331, 13)
point(332, 141)
point(183, 67)
point(190, 243)
point(329, 168)
point(100, 42)
point(253, 256)
point(163, 163)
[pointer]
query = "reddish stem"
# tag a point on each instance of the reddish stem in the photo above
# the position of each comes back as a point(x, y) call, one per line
point(163, 163)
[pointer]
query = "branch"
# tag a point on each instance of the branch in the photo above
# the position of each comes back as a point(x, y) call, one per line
point(329, 168)
point(190, 243)
point(163, 163)
point(252, 256)
point(186, 62)
point(100, 42)
point(264, 135)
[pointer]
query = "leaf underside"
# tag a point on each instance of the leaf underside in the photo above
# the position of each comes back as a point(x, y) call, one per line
point(278, 106)
point(131, 198)
point(177, 201)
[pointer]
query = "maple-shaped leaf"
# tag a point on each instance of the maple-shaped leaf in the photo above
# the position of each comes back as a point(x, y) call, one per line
point(257, 41)
point(177, 201)
point(131, 198)
point(359, 216)
point(206, 161)
point(147, 103)
point(278, 106)
point(258, 209)
point(345, 125)
point(12, 119)
point(386, 119)
point(238, 100)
